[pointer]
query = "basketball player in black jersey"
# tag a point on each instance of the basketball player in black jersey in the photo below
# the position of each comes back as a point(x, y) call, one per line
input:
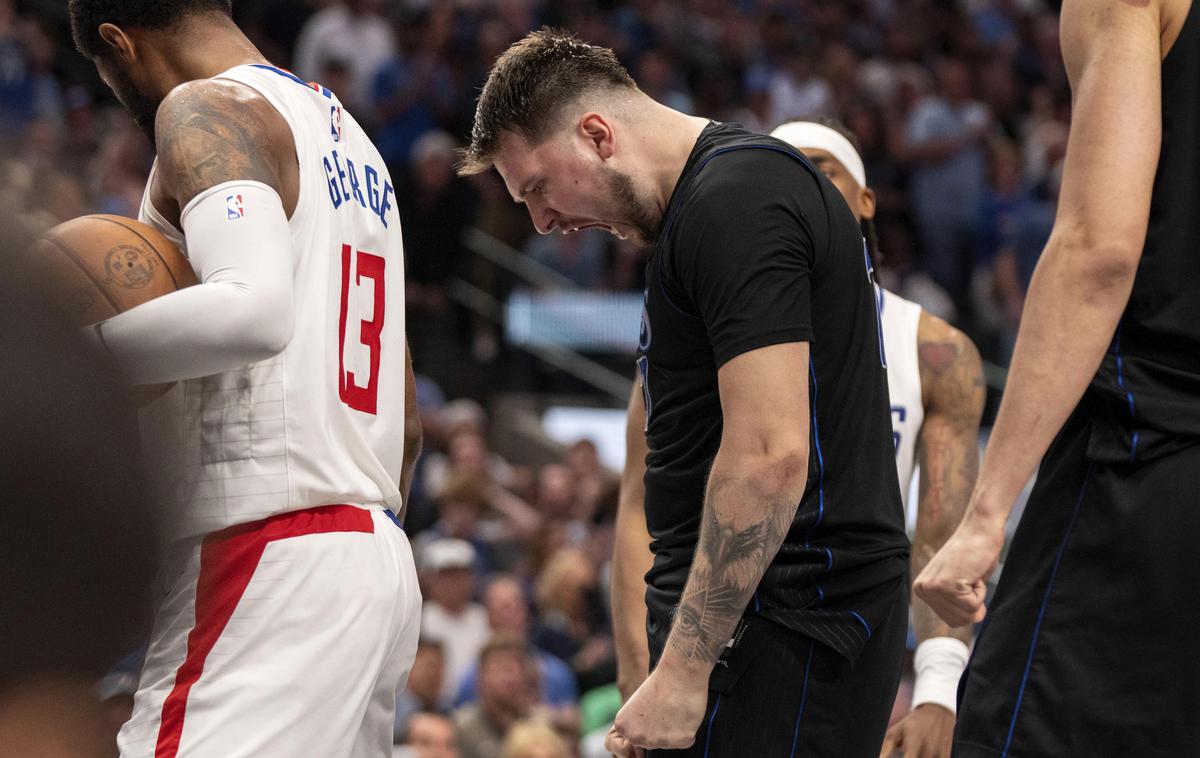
point(1089, 648)
point(777, 607)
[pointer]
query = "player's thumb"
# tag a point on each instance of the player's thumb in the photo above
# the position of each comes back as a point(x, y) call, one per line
point(618, 745)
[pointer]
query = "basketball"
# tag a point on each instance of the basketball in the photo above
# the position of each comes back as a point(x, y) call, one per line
point(93, 267)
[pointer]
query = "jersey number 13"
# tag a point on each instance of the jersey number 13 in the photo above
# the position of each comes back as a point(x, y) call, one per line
point(353, 390)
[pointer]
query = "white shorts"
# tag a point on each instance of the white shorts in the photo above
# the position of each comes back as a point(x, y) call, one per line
point(288, 636)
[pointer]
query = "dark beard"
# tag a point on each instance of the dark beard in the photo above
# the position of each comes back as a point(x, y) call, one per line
point(626, 207)
point(141, 107)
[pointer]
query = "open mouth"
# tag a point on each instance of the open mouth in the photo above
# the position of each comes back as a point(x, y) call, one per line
point(606, 227)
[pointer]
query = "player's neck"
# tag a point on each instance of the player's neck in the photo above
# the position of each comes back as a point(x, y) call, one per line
point(671, 137)
point(207, 47)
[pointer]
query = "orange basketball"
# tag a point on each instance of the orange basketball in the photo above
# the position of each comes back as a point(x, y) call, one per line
point(94, 267)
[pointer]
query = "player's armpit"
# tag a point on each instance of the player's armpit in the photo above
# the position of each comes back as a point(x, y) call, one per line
point(208, 132)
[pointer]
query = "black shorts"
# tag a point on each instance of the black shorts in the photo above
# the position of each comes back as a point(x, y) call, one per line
point(1090, 645)
point(779, 693)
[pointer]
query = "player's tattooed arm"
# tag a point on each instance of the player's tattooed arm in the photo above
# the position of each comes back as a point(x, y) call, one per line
point(208, 132)
point(754, 488)
point(744, 525)
point(954, 392)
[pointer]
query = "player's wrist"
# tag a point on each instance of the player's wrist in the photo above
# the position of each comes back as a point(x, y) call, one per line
point(682, 670)
point(939, 663)
point(986, 514)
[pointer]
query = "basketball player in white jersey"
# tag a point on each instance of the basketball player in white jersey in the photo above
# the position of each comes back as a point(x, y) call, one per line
point(935, 379)
point(289, 609)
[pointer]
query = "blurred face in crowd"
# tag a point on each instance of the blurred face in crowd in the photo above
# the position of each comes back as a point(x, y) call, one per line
point(432, 736)
point(506, 607)
point(955, 80)
point(583, 458)
point(860, 199)
point(428, 670)
point(556, 490)
point(451, 588)
point(468, 452)
point(505, 683)
point(568, 183)
point(460, 516)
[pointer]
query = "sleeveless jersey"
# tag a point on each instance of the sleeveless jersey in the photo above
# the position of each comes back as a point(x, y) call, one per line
point(323, 421)
point(900, 319)
point(1145, 393)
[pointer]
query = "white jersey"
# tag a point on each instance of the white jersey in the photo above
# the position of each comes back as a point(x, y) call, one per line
point(322, 422)
point(900, 320)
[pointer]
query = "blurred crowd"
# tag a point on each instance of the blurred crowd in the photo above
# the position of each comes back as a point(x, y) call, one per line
point(961, 108)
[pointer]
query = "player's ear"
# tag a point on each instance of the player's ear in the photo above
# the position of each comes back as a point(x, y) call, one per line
point(599, 134)
point(121, 46)
point(866, 202)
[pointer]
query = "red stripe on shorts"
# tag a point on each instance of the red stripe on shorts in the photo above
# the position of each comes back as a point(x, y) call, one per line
point(228, 559)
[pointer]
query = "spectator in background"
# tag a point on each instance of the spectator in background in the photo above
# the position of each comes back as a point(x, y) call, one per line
point(414, 90)
point(657, 76)
point(436, 208)
point(583, 459)
point(479, 511)
point(943, 140)
point(28, 89)
point(57, 197)
point(572, 621)
point(449, 615)
point(581, 257)
point(461, 424)
point(797, 89)
point(336, 75)
point(556, 492)
point(531, 740)
point(508, 614)
point(353, 31)
point(117, 174)
point(506, 696)
point(429, 735)
point(423, 692)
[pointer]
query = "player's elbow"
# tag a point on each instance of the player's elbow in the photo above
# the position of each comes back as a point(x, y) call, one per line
point(790, 468)
point(274, 339)
point(267, 323)
point(1103, 264)
point(779, 470)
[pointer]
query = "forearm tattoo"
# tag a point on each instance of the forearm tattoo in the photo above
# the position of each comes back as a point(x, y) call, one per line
point(741, 532)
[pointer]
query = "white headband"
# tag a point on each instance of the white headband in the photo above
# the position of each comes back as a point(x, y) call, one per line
point(804, 135)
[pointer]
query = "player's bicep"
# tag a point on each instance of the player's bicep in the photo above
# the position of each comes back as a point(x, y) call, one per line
point(1112, 51)
point(208, 133)
point(764, 401)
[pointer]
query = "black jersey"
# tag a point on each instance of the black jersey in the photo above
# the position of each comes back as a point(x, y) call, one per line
point(758, 248)
point(1147, 390)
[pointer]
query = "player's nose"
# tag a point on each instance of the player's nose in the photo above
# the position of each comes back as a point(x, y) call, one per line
point(545, 218)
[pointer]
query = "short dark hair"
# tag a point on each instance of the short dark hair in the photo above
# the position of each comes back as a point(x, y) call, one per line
point(87, 15)
point(528, 86)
